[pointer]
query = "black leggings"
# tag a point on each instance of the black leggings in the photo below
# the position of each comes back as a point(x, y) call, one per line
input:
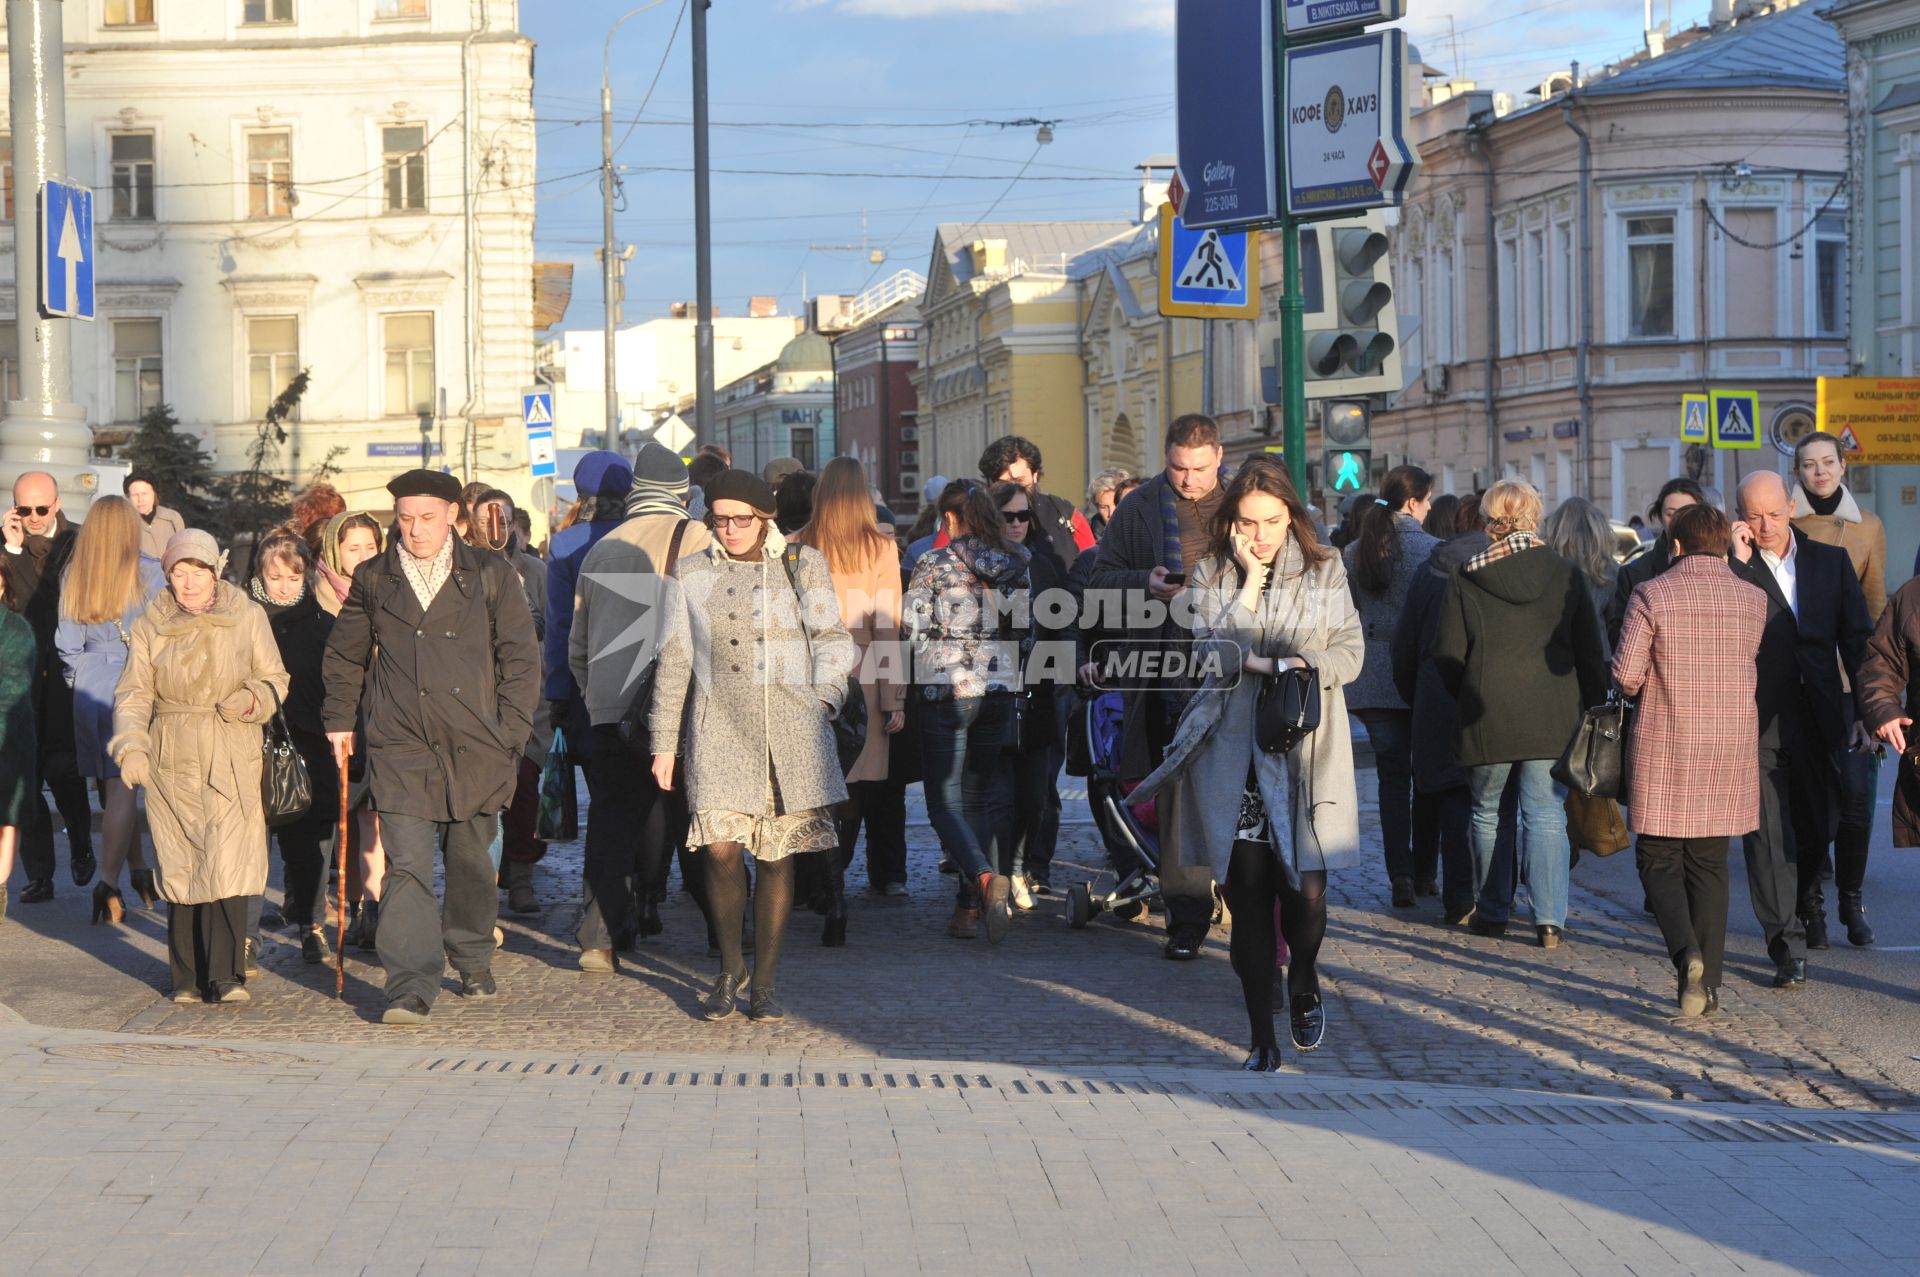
point(1254, 883)
point(773, 902)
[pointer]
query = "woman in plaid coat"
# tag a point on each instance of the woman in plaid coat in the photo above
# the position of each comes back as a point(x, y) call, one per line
point(1687, 650)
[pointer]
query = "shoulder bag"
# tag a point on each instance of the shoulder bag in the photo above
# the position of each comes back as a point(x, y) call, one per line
point(1288, 710)
point(850, 724)
point(1595, 761)
point(286, 791)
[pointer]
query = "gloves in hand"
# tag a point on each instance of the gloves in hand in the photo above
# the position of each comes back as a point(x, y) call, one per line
point(233, 709)
point(136, 770)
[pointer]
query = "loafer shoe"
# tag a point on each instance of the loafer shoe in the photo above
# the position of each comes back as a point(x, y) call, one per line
point(1307, 1019)
point(407, 1009)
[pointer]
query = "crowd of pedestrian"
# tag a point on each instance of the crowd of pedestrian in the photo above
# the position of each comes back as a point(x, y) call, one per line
point(749, 669)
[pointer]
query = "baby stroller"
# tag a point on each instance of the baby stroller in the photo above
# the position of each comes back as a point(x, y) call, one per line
point(1130, 831)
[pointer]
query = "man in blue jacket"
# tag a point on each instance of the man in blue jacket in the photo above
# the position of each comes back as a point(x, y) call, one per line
point(602, 480)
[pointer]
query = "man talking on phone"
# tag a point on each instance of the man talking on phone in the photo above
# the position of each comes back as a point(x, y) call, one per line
point(1157, 534)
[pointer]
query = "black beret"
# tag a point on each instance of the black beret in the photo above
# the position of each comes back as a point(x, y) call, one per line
point(740, 485)
point(424, 483)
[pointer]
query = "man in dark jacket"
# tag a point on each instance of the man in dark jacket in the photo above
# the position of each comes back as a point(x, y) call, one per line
point(437, 638)
point(1158, 534)
point(602, 480)
point(39, 541)
point(1016, 459)
point(1675, 495)
point(1816, 627)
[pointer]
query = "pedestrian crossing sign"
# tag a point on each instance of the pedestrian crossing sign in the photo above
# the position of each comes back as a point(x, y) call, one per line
point(1693, 419)
point(1207, 274)
point(1736, 418)
point(536, 410)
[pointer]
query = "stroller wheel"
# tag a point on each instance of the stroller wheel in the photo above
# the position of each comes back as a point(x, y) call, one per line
point(1130, 910)
point(1079, 906)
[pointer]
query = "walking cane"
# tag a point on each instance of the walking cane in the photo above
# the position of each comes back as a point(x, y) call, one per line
point(346, 876)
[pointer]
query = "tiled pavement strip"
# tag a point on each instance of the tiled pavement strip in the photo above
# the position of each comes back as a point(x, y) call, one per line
point(1058, 1104)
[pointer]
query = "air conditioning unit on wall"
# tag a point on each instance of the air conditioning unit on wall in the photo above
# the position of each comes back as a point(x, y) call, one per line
point(1438, 379)
point(909, 434)
point(910, 484)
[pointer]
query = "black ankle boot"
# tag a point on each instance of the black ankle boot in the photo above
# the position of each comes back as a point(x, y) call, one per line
point(1853, 916)
point(834, 933)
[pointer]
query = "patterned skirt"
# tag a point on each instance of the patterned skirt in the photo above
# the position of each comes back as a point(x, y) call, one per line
point(1252, 824)
point(772, 835)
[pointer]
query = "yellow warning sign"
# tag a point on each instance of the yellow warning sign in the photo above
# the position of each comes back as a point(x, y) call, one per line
point(1876, 419)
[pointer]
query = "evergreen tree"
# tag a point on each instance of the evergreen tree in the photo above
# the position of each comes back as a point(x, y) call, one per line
point(180, 468)
point(260, 497)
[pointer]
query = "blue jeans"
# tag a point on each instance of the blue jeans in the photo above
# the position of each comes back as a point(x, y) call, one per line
point(1544, 821)
point(968, 773)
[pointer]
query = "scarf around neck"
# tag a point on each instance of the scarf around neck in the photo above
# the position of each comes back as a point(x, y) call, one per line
point(1511, 544)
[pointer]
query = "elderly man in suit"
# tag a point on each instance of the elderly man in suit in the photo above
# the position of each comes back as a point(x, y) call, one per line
point(1816, 627)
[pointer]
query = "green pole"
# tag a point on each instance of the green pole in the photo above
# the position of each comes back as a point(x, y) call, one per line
point(1293, 304)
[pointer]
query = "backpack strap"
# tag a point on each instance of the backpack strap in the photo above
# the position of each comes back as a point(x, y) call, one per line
point(673, 546)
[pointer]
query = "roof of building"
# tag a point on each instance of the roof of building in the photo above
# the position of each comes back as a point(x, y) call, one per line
point(809, 352)
point(1043, 247)
point(1788, 49)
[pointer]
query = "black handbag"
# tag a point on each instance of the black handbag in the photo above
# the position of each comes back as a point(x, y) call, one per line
point(286, 791)
point(850, 725)
point(1595, 762)
point(1288, 710)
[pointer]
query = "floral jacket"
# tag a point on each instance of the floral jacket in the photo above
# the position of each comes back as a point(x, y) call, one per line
point(966, 614)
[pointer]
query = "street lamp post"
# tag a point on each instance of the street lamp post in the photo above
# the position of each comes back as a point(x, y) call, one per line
point(612, 264)
point(702, 237)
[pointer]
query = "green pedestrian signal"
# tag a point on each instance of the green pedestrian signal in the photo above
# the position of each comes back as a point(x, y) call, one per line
point(1347, 470)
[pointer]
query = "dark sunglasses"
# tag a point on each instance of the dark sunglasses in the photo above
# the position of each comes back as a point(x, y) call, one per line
point(1017, 516)
point(33, 511)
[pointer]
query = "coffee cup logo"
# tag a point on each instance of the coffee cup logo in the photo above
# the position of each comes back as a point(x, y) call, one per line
point(1334, 109)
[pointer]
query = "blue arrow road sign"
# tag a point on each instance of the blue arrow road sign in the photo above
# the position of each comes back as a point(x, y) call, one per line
point(1223, 51)
point(66, 251)
point(536, 409)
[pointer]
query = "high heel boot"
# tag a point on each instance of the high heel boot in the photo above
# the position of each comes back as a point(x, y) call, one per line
point(834, 933)
point(143, 886)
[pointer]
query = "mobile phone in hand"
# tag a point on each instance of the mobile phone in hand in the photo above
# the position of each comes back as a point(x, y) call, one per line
point(1176, 578)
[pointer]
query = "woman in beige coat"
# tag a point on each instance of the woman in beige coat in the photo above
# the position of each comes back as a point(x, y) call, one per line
point(203, 674)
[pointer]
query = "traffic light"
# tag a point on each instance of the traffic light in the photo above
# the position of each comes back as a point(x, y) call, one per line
point(1352, 333)
point(1346, 434)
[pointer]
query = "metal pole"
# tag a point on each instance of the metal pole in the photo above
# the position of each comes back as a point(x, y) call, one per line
point(702, 236)
point(612, 374)
point(1206, 367)
point(44, 429)
point(1293, 357)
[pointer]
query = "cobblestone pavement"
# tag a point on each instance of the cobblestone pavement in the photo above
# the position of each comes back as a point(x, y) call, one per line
point(1409, 999)
point(137, 1155)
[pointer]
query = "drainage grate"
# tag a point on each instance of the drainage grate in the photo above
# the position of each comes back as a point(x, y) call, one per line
point(515, 1067)
point(1307, 1102)
point(782, 1080)
point(1827, 1131)
point(171, 1053)
point(1544, 1115)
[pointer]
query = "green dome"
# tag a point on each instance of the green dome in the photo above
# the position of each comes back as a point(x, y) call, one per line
point(809, 352)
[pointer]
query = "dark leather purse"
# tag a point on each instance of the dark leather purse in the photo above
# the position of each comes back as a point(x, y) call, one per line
point(1288, 710)
point(286, 791)
point(1595, 762)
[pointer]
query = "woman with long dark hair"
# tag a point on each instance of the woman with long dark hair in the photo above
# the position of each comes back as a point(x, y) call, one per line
point(1028, 859)
point(1382, 562)
point(865, 565)
point(967, 672)
point(1268, 588)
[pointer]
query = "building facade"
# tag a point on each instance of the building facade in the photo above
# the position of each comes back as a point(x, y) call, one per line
point(1567, 271)
point(343, 186)
point(785, 409)
point(1883, 152)
point(878, 421)
point(1000, 347)
point(654, 368)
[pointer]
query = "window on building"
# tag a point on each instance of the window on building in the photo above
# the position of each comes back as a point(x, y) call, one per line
point(400, 8)
point(132, 176)
point(1534, 315)
point(6, 170)
point(1830, 275)
point(258, 12)
point(270, 174)
point(1443, 307)
point(404, 150)
point(10, 360)
point(1650, 275)
point(128, 13)
point(1561, 333)
point(1509, 268)
point(803, 447)
point(1413, 328)
point(137, 386)
point(407, 341)
point(273, 357)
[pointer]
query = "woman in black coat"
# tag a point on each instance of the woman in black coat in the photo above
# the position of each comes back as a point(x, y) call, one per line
point(1028, 862)
point(283, 585)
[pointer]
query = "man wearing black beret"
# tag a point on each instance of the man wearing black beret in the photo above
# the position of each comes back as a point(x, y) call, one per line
point(437, 638)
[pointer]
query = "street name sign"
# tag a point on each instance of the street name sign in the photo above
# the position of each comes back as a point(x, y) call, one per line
point(1736, 418)
point(66, 251)
point(1223, 54)
point(1345, 116)
point(1876, 419)
point(1693, 419)
point(1207, 274)
point(536, 410)
point(1315, 17)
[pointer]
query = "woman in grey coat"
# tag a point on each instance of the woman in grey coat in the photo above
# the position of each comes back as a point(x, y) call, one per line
point(1382, 562)
point(1269, 587)
point(752, 672)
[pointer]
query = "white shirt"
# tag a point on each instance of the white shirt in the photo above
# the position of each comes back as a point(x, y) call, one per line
point(1785, 574)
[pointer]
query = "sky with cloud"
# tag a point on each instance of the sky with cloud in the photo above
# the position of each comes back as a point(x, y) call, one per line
point(907, 113)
